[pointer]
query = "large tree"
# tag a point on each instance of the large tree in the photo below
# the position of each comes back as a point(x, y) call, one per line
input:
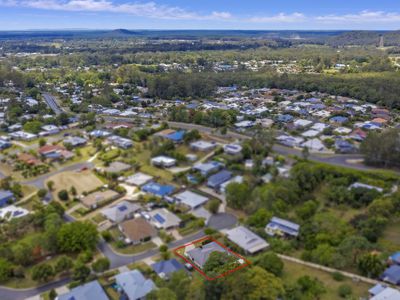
point(77, 236)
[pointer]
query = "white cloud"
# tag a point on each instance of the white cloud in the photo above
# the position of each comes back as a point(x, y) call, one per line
point(281, 17)
point(151, 9)
point(364, 16)
point(143, 9)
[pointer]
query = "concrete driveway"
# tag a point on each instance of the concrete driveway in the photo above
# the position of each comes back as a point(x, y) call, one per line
point(222, 221)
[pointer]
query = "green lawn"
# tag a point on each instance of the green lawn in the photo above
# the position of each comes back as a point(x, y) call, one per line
point(292, 271)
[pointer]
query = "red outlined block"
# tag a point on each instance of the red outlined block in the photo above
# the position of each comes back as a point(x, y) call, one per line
point(207, 238)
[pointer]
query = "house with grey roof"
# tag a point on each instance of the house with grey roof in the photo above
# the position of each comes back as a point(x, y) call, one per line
point(162, 218)
point(75, 141)
point(246, 239)
point(121, 211)
point(203, 146)
point(117, 167)
point(138, 179)
point(191, 199)
point(133, 285)
point(200, 254)
point(88, 291)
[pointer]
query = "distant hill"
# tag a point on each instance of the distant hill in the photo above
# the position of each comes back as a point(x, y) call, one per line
point(365, 38)
point(121, 33)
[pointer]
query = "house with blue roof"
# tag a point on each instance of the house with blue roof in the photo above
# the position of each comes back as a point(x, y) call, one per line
point(338, 119)
point(282, 227)
point(176, 136)
point(207, 168)
point(395, 258)
point(392, 275)
point(88, 291)
point(157, 189)
point(216, 180)
point(133, 285)
point(343, 146)
point(166, 267)
point(6, 197)
point(285, 118)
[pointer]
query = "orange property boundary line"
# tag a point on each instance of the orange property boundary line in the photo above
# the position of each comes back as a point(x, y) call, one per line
point(207, 238)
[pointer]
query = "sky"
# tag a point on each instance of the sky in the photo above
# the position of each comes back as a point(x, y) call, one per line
point(200, 14)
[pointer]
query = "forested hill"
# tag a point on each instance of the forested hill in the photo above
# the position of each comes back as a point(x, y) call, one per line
point(365, 38)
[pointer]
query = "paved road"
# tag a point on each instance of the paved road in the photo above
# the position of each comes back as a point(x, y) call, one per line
point(39, 181)
point(52, 103)
point(117, 260)
point(343, 160)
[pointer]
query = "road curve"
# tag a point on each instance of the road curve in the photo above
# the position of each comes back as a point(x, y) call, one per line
point(333, 159)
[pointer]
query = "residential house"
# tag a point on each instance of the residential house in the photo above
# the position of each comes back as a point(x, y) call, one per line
point(216, 180)
point(158, 190)
point(88, 291)
point(395, 258)
point(172, 135)
point(6, 197)
point(290, 141)
point(121, 211)
point(55, 152)
point(163, 161)
point(203, 146)
point(133, 285)
point(117, 167)
point(191, 199)
point(302, 123)
point(314, 145)
point(358, 135)
point(236, 179)
point(138, 179)
point(359, 185)
point(246, 239)
point(96, 199)
point(285, 118)
point(28, 159)
point(282, 227)
point(12, 212)
point(164, 219)
point(200, 255)
point(233, 149)
point(120, 142)
point(164, 268)
point(75, 141)
point(99, 133)
point(207, 168)
point(338, 120)
point(49, 130)
point(310, 133)
point(343, 146)
point(4, 144)
point(392, 275)
point(381, 292)
point(137, 230)
point(23, 135)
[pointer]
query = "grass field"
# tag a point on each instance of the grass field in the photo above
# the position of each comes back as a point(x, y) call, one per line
point(292, 271)
point(83, 181)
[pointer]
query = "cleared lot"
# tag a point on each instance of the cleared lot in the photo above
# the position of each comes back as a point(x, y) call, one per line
point(84, 181)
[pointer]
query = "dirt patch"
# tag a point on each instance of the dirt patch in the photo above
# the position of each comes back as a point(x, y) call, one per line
point(84, 181)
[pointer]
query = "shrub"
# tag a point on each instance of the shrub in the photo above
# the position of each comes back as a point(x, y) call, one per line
point(344, 291)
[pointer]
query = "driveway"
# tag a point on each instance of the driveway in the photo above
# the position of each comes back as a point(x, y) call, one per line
point(222, 221)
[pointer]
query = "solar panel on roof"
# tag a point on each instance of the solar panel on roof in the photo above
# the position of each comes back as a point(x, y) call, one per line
point(17, 213)
point(122, 208)
point(159, 218)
